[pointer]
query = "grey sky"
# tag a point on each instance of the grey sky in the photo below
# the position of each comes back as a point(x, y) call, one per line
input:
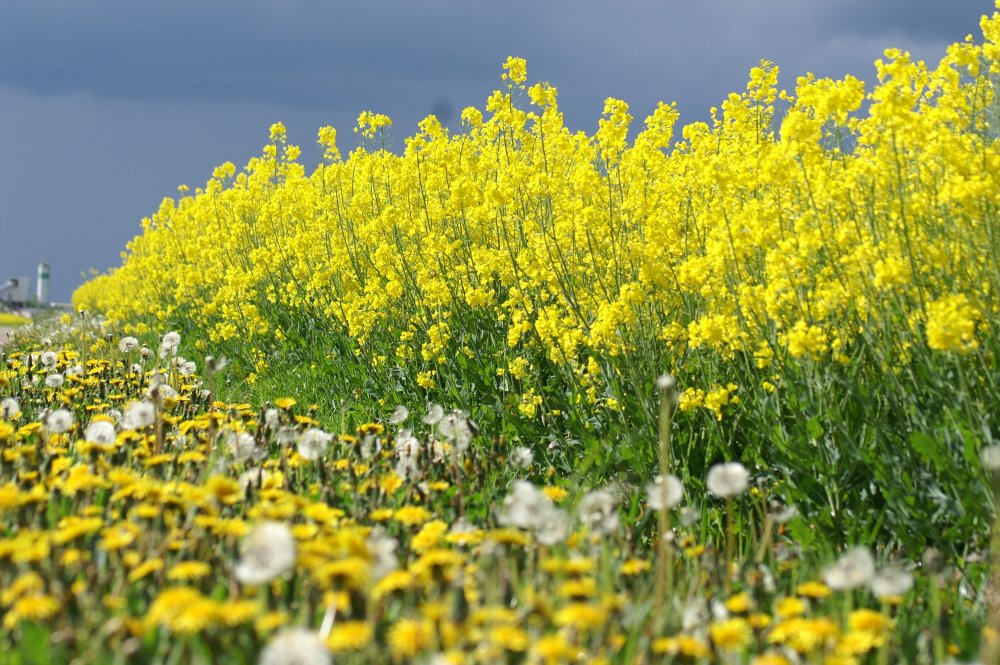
point(108, 105)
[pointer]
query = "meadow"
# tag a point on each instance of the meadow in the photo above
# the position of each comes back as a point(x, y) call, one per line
point(516, 393)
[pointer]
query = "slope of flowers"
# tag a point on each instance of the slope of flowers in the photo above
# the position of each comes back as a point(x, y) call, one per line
point(818, 267)
point(142, 519)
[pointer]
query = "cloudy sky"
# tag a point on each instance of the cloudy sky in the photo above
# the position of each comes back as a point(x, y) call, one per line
point(106, 106)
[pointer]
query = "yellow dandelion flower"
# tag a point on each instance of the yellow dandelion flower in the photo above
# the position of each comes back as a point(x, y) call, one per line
point(350, 636)
point(408, 637)
point(412, 515)
point(731, 634)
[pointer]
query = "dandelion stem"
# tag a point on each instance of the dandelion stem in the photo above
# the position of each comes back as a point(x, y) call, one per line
point(664, 585)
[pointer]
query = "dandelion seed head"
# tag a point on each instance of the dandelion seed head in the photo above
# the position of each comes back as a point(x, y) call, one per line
point(891, 582)
point(665, 493)
point(399, 415)
point(295, 646)
point(990, 455)
point(128, 344)
point(728, 480)
point(169, 344)
point(268, 552)
point(313, 443)
point(598, 510)
point(854, 569)
point(101, 432)
point(54, 381)
point(139, 415)
point(59, 421)
point(9, 408)
point(522, 458)
point(435, 412)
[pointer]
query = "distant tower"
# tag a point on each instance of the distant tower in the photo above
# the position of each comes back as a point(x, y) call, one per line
point(43, 283)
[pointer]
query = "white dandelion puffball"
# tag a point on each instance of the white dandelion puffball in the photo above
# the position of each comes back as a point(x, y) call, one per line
point(100, 431)
point(50, 359)
point(856, 568)
point(990, 455)
point(55, 381)
point(890, 582)
point(128, 344)
point(399, 415)
point(435, 412)
point(523, 506)
point(598, 510)
point(59, 421)
point(268, 551)
point(9, 408)
point(169, 344)
point(664, 493)
point(295, 646)
point(139, 415)
point(241, 445)
point(728, 480)
point(522, 458)
point(313, 443)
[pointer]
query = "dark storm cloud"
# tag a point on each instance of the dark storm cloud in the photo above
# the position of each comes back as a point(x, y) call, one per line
point(320, 53)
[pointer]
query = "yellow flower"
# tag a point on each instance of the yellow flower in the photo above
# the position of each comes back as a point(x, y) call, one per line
point(412, 515)
point(813, 589)
point(511, 638)
point(731, 634)
point(790, 607)
point(188, 570)
point(582, 617)
point(32, 608)
point(951, 324)
point(408, 637)
point(349, 636)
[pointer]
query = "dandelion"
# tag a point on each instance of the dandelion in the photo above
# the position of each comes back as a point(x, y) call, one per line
point(731, 634)
point(9, 408)
point(854, 569)
point(185, 367)
point(128, 344)
point(240, 445)
point(990, 456)
point(522, 458)
point(313, 443)
point(664, 493)
point(169, 344)
point(408, 637)
point(891, 582)
point(399, 415)
point(139, 415)
point(295, 646)
point(434, 414)
point(50, 359)
point(382, 549)
point(523, 505)
point(59, 421)
point(552, 527)
point(101, 432)
point(268, 551)
point(728, 480)
point(598, 511)
point(458, 429)
point(54, 381)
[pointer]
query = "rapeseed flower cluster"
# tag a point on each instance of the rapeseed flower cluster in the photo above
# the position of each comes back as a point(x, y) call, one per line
point(800, 232)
